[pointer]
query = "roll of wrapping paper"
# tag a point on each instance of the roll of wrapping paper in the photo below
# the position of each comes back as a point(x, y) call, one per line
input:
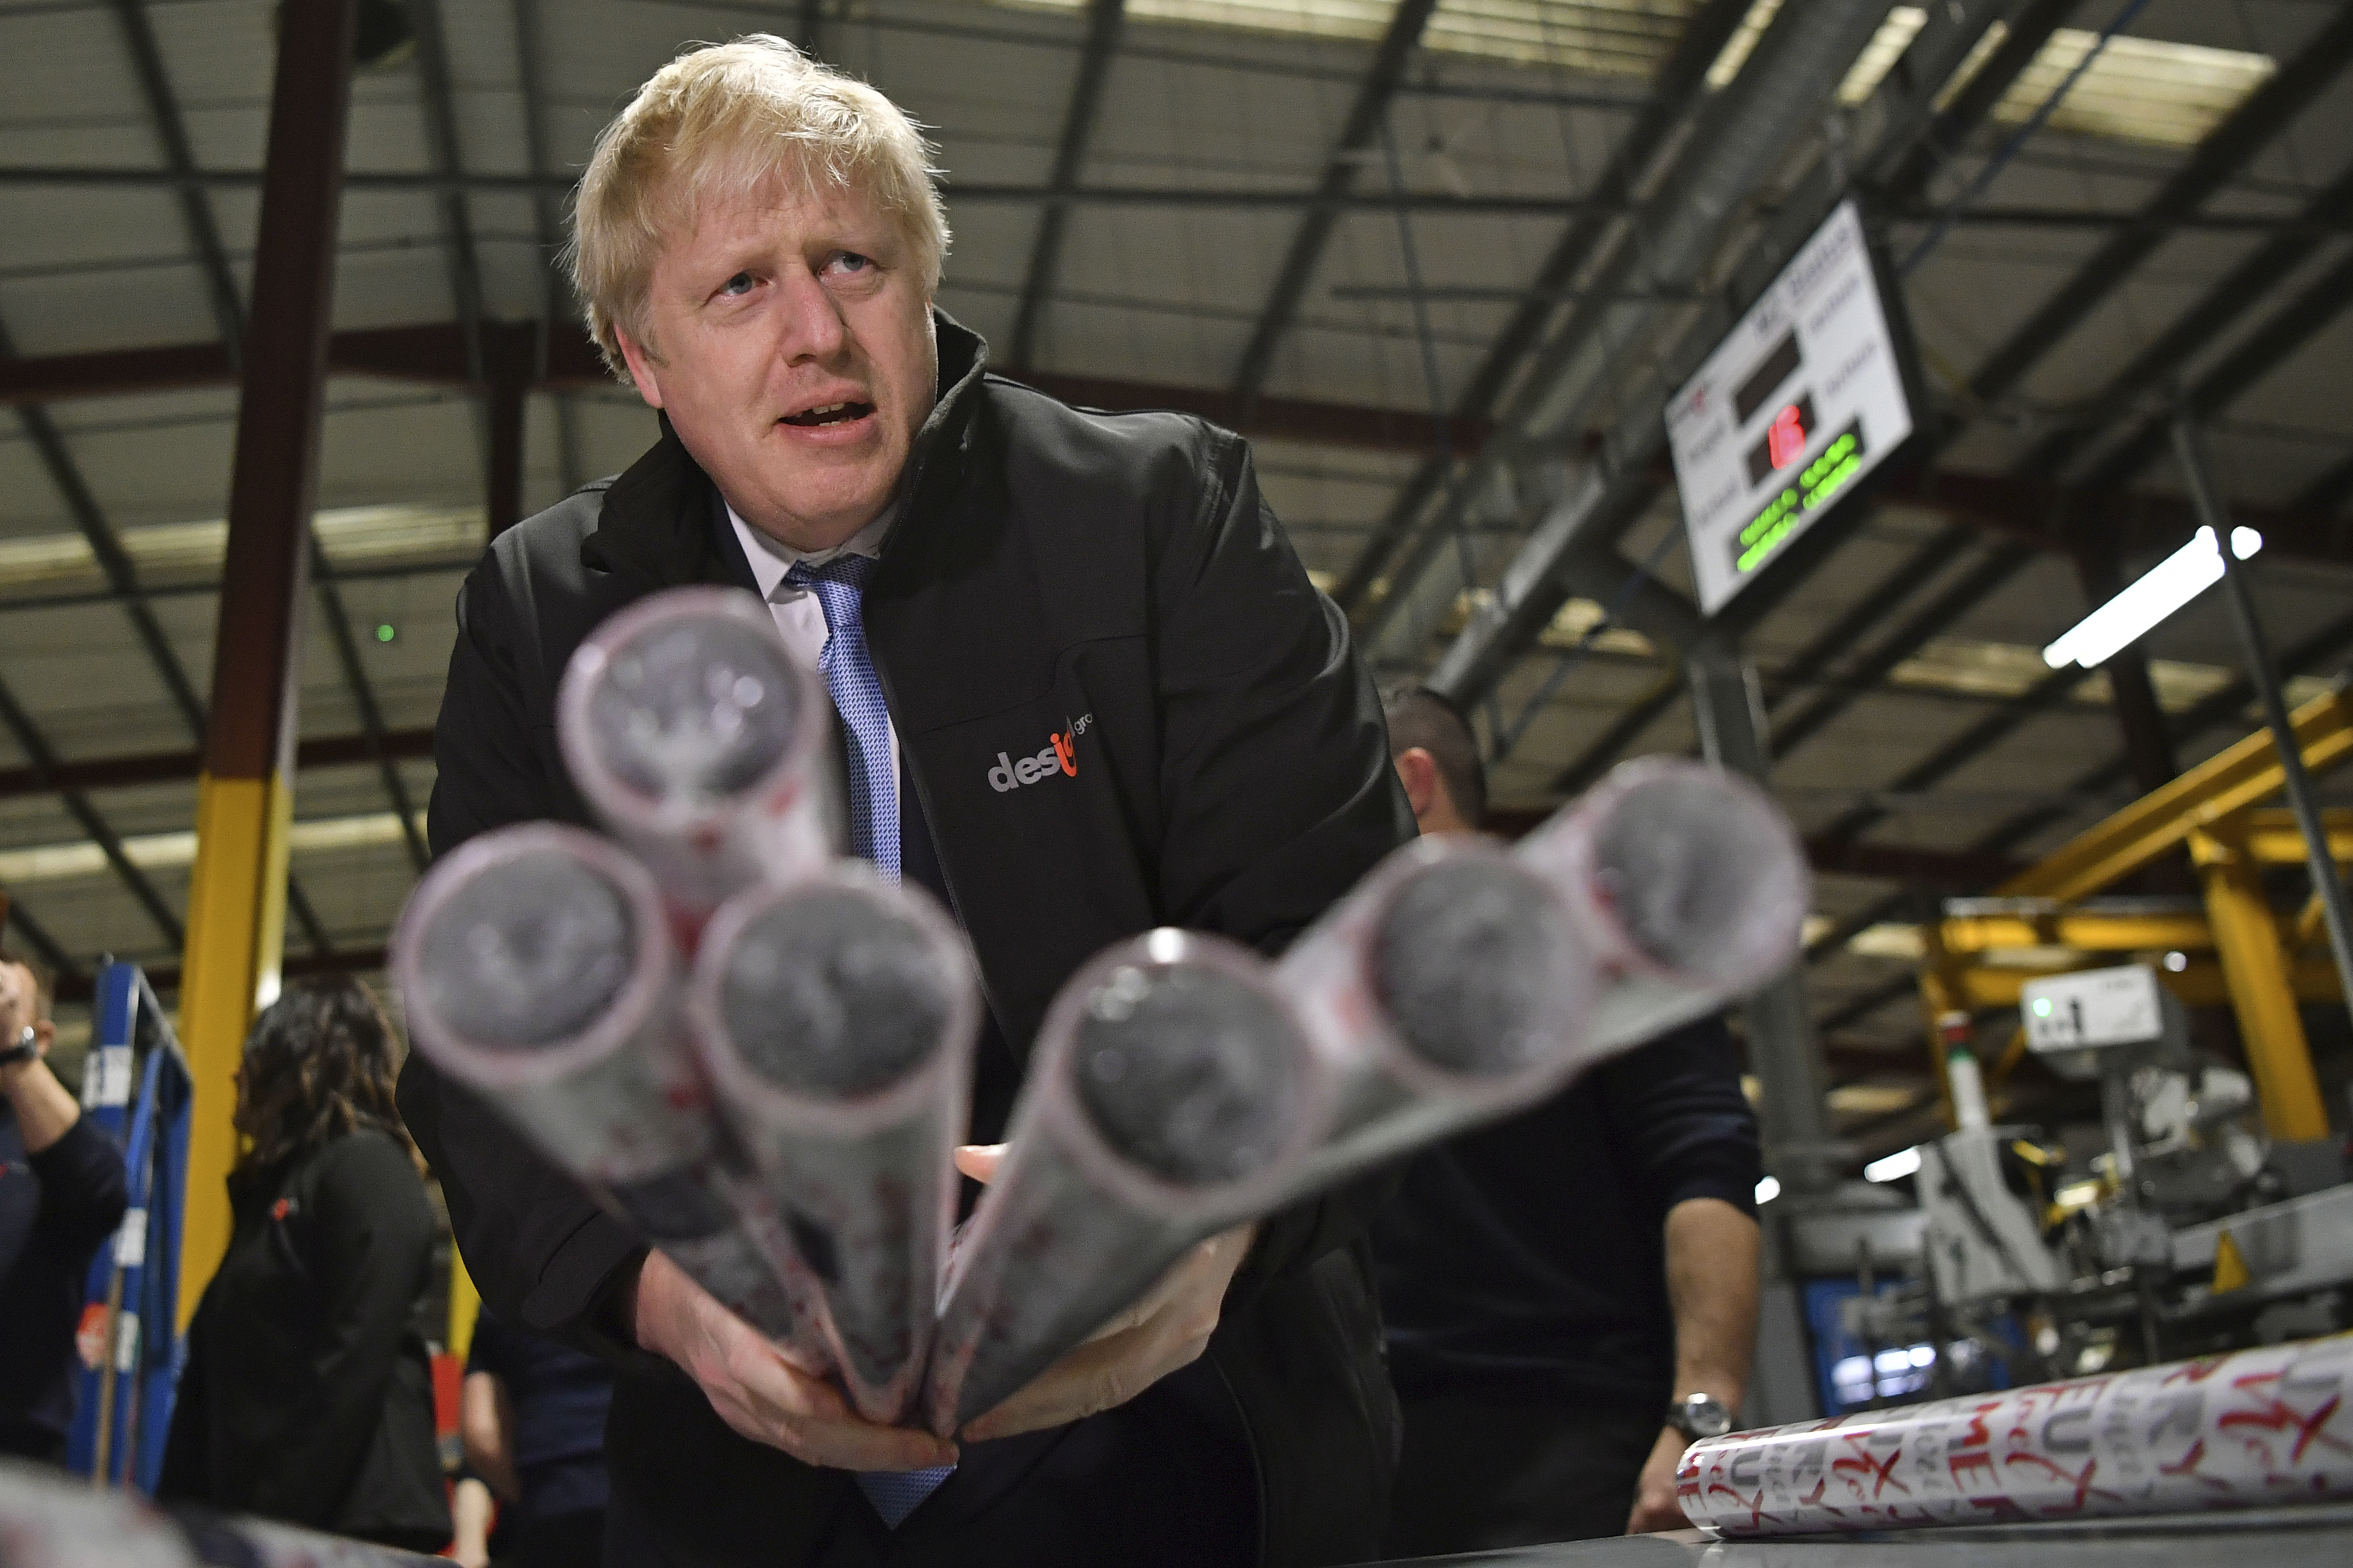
point(51, 1520)
point(1171, 1095)
point(2257, 1427)
point(537, 967)
point(836, 1017)
point(48, 1520)
point(1691, 882)
point(696, 738)
point(1458, 982)
point(1449, 986)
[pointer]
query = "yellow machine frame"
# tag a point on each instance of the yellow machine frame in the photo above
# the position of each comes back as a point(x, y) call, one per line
point(2238, 951)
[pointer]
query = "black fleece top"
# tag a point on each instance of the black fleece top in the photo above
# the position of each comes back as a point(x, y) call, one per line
point(56, 1207)
point(1527, 1262)
point(307, 1395)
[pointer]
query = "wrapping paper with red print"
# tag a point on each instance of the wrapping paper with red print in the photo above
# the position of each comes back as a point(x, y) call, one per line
point(2256, 1427)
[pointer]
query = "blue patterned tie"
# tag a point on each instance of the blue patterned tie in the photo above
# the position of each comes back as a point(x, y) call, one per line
point(848, 670)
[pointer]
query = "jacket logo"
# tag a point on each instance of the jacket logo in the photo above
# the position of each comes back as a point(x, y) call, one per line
point(1061, 755)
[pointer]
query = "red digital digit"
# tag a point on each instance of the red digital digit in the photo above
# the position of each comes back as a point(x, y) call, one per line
point(1788, 437)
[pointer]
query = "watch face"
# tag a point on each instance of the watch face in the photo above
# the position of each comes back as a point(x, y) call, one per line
point(1706, 1417)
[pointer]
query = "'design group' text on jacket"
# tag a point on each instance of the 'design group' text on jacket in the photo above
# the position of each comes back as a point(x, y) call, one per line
point(1109, 585)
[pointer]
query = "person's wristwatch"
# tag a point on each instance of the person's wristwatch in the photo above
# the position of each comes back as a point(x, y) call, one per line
point(23, 1049)
point(1698, 1416)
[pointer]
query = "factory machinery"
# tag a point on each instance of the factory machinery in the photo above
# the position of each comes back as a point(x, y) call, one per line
point(2201, 1209)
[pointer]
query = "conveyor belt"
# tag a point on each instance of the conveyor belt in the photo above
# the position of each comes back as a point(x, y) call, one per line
point(2317, 1536)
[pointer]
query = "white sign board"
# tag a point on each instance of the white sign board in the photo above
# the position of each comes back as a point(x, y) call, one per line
point(2092, 1007)
point(1802, 399)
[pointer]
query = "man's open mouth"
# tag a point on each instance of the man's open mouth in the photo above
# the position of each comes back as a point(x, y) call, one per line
point(831, 413)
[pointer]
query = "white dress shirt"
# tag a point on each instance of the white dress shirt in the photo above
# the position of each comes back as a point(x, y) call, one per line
point(800, 618)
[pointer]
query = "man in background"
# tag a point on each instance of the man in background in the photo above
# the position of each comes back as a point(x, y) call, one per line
point(1571, 1294)
point(62, 1192)
point(532, 1422)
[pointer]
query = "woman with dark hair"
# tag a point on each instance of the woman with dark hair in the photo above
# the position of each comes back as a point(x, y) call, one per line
point(308, 1396)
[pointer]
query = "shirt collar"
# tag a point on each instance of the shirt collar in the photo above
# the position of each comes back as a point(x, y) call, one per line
point(770, 558)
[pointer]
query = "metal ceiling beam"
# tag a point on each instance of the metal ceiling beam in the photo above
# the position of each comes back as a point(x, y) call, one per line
point(42, 762)
point(1105, 22)
point(195, 205)
point(1680, 85)
point(2268, 347)
point(438, 105)
point(2224, 706)
point(1237, 197)
point(1996, 568)
point(2261, 117)
point(1358, 134)
point(434, 354)
point(50, 446)
point(142, 768)
point(555, 286)
point(2328, 493)
point(165, 977)
point(2245, 132)
point(1948, 133)
point(2252, 281)
point(64, 971)
point(1745, 133)
point(147, 60)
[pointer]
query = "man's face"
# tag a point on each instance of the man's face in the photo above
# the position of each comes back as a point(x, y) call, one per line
point(797, 357)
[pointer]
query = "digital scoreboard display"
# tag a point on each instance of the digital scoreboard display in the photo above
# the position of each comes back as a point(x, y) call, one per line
point(1804, 397)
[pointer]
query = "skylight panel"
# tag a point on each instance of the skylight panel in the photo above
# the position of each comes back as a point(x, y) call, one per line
point(1596, 37)
point(2139, 90)
point(1879, 57)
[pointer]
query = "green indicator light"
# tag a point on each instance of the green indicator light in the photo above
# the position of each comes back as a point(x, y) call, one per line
point(384, 633)
point(1817, 486)
point(2042, 1007)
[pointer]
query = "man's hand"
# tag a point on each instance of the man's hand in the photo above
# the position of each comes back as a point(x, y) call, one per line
point(18, 1002)
point(1167, 1329)
point(1654, 1494)
point(760, 1393)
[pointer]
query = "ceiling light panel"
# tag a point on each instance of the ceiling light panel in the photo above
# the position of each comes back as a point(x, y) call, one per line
point(2139, 90)
point(352, 536)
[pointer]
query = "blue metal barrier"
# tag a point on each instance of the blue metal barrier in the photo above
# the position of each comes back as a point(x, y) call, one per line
point(130, 1341)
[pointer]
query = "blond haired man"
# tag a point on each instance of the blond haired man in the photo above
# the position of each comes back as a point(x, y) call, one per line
point(980, 574)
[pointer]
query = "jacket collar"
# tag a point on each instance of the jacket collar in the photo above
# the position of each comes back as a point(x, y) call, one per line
point(661, 523)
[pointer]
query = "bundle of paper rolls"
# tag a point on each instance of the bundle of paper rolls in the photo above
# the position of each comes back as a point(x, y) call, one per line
point(758, 1053)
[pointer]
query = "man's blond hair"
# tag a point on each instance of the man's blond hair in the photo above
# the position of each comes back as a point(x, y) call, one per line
point(719, 122)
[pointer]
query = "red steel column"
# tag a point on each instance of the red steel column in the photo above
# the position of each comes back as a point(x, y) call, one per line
point(236, 899)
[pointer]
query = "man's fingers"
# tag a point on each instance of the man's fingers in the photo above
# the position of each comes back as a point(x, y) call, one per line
point(979, 1161)
point(1072, 1387)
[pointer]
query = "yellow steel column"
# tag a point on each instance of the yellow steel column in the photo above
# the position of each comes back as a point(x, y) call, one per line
point(2254, 966)
point(237, 901)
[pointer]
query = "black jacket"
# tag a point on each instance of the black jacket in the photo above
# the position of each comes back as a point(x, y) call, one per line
point(1052, 572)
point(1525, 1262)
point(56, 1208)
point(308, 1396)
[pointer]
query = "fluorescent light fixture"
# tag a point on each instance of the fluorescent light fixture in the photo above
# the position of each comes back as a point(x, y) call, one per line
point(1895, 1167)
point(1768, 1190)
point(2163, 589)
